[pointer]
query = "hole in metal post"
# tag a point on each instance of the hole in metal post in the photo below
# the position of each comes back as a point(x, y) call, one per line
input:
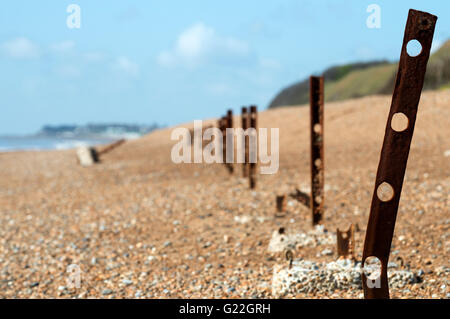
point(318, 199)
point(317, 128)
point(399, 122)
point(372, 267)
point(318, 162)
point(385, 192)
point(413, 48)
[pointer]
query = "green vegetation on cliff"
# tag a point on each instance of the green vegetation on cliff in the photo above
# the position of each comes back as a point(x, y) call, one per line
point(361, 79)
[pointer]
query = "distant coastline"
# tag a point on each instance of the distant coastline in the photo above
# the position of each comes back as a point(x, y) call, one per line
point(52, 137)
point(96, 130)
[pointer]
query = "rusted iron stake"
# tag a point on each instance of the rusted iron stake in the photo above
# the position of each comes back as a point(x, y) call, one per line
point(394, 154)
point(244, 119)
point(303, 198)
point(252, 166)
point(289, 257)
point(317, 153)
point(229, 124)
point(110, 147)
point(223, 127)
point(281, 203)
point(346, 242)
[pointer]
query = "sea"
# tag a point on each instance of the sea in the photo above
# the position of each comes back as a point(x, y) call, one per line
point(36, 143)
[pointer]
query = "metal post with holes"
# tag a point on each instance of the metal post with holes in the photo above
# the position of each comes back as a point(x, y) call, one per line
point(317, 152)
point(244, 119)
point(229, 124)
point(345, 241)
point(394, 154)
point(252, 166)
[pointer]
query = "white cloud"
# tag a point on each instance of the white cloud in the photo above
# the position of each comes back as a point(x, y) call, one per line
point(63, 46)
point(201, 44)
point(21, 48)
point(126, 65)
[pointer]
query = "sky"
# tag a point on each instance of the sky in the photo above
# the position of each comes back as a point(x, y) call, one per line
point(172, 62)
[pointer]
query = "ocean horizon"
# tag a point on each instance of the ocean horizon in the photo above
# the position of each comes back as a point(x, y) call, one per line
point(37, 143)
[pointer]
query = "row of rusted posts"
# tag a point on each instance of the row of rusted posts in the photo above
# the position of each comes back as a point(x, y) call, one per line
point(394, 155)
point(248, 121)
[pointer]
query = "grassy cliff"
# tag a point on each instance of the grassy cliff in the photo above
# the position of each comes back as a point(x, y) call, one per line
point(361, 79)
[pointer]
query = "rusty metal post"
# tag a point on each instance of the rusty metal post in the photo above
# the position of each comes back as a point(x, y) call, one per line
point(244, 119)
point(110, 147)
point(252, 166)
point(223, 126)
point(303, 198)
point(281, 203)
point(317, 152)
point(220, 127)
point(394, 154)
point(229, 124)
point(346, 242)
point(205, 142)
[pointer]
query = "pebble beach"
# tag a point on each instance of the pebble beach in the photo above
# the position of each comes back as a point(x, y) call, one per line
point(140, 226)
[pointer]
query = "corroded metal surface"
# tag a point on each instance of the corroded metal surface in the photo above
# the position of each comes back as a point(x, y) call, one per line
point(394, 154)
point(252, 166)
point(229, 124)
point(289, 257)
point(303, 198)
point(346, 242)
point(245, 120)
point(222, 127)
point(110, 147)
point(317, 151)
point(281, 203)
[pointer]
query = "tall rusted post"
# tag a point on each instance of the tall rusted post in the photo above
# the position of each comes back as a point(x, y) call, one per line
point(229, 124)
point(394, 154)
point(252, 166)
point(223, 127)
point(317, 152)
point(244, 119)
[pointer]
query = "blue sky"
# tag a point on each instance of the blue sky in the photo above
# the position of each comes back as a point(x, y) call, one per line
point(176, 61)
